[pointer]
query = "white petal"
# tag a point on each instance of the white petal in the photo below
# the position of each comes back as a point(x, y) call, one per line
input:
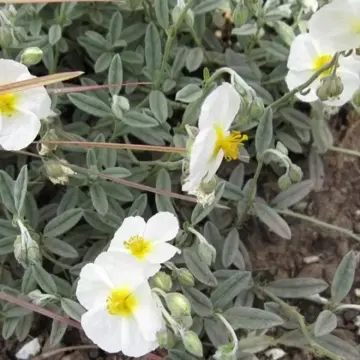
point(162, 252)
point(351, 63)
point(214, 166)
point(133, 342)
point(163, 226)
point(122, 269)
point(296, 78)
point(93, 286)
point(103, 329)
point(131, 226)
point(148, 315)
point(221, 106)
point(19, 131)
point(11, 70)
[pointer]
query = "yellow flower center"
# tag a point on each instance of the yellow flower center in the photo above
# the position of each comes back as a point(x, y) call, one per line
point(320, 61)
point(138, 246)
point(229, 144)
point(8, 104)
point(355, 24)
point(121, 302)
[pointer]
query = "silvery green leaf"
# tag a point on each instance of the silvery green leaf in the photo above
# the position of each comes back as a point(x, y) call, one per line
point(23, 327)
point(198, 268)
point(250, 318)
point(7, 245)
point(296, 118)
point(60, 247)
point(62, 223)
point(206, 6)
point(338, 346)
point(237, 176)
point(189, 93)
point(72, 308)
point(7, 185)
point(272, 219)
point(200, 303)
point(28, 281)
point(230, 288)
point(158, 106)
point(7, 228)
point(297, 288)
point(255, 344)
point(200, 212)
point(117, 191)
point(290, 319)
point(115, 27)
point(191, 112)
point(175, 354)
point(133, 32)
point(15, 311)
point(91, 159)
point(231, 245)
point(275, 49)
point(325, 323)
point(90, 104)
point(163, 182)
point(69, 200)
point(137, 119)
point(232, 192)
point(9, 326)
point(316, 169)
point(44, 279)
point(162, 13)
point(194, 59)
point(264, 132)
point(216, 331)
point(343, 278)
point(322, 135)
point(103, 62)
point(245, 298)
point(132, 57)
point(153, 52)
point(293, 194)
point(138, 206)
point(117, 172)
point(285, 31)
point(115, 74)
point(99, 199)
point(58, 330)
point(245, 30)
point(290, 142)
point(55, 33)
point(20, 189)
point(179, 61)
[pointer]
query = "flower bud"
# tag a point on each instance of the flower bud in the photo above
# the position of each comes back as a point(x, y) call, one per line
point(162, 281)
point(331, 88)
point(295, 173)
point(165, 338)
point(256, 109)
point(178, 304)
point(206, 252)
point(241, 15)
point(31, 56)
point(176, 13)
point(225, 352)
point(192, 343)
point(185, 277)
point(46, 148)
point(284, 182)
point(58, 173)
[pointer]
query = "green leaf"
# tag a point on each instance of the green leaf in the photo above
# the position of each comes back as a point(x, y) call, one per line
point(117, 172)
point(72, 308)
point(296, 118)
point(23, 327)
point(44, 279)
point(139, 205)
point(272, 219)
point(344, 277)
point(115, 27)
point(162, 13)
point(8, 327)
point(90, 104)
point(264, 132)
point(316, 169)
point(28, 282)
point(115, 75)
point(58, 330)
point(297, 288)
point(230, 288)
point(163, 182)
point(69, 200)
point(153, 52)
point(99, 199)
point(245, 30)
point(15, 311)
point(61, 248)
point(175, 354)
point(117, 191)
point(189, 93)
point(216, 331)
point(231, 245)
point(55, 33)
point(158, 105)
point(7, 228)
point(198, 268)
point(241, 317)
point(293, 194)
point(20, 190)
point(200, 303)
point(91, 159)
point(339, 347)
point(62, 223)
point(325, 323)
point(103, 62)
point(137, 119)
point(7, 245)
point(7, 191)
point(206, 6)
point(194, 59)
point(276, 50)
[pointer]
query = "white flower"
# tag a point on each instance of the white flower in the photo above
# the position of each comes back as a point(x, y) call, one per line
point(337, 24)
point(21, 111)
point(122, 314)
point(214, 140)
point(147, 241)
point(307, 55)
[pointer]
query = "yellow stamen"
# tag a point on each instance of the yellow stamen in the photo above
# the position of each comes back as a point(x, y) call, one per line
point(320, 61)
point(121, 302)
point(8, 104)
point(138, 246)
point(229, 144)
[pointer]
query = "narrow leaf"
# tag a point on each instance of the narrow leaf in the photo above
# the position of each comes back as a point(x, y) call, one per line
point(20, 189)
point(325, 323)
point(231, 245)
point(264, 132)
point(115, 75)
point(200, 303)
point(44, 279)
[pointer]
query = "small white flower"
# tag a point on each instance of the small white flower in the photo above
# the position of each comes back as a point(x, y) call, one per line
point(337, 24)
point(307, 55)
point(147, 241)
point(214, 140)
point(122, 314)
point(21, 111)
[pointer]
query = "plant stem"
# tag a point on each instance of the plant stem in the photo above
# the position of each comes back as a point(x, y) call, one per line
point(64, 349)
point(344, 151)
point(320, 223)
point(317, 348)
point(231, 332)
point(171, 36)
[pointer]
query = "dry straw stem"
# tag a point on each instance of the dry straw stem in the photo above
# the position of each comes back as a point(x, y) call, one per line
point(51, 353)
